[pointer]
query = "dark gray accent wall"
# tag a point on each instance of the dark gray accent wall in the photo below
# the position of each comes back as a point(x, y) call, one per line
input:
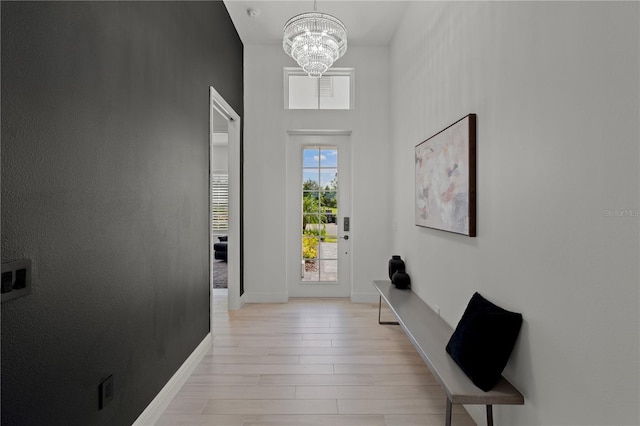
point(105, 116)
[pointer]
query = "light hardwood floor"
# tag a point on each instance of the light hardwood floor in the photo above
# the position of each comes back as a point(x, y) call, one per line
point(309, 362)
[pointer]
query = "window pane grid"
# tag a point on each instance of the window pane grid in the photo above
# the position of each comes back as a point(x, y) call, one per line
point(319, 213)
point(334, 90)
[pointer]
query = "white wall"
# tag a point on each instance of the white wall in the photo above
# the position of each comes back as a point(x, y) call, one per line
point(555, 87)
point(265, 134)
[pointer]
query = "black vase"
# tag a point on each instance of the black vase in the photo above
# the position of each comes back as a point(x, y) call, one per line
point(395, 264)
point(401, 280)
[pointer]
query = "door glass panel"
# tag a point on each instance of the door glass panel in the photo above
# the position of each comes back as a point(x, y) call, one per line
point(313, 178)
point(311, 157)
point(319, 214)
point(327, 178)
point(329, 157)
point(329, 269)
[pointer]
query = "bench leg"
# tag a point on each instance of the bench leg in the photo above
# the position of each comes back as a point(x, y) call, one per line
point(379, 310)
point(489, 415)
point(447, 416)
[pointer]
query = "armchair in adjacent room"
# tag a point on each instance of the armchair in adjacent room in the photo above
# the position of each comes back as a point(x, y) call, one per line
point(220, 249)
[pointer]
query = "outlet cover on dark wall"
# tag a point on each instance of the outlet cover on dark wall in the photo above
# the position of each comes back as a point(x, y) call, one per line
point(105, 391)
point(16, 279)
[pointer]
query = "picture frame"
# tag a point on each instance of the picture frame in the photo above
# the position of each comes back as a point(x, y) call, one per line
point(445, 179)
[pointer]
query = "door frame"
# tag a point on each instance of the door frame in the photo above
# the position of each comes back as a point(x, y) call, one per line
point(293, 241)
point(234, 244)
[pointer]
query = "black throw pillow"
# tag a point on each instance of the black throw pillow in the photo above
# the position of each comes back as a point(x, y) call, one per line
point(483, 340)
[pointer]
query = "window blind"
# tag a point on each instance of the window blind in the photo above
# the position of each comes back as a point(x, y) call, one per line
point(219, 202)
point(326, 86)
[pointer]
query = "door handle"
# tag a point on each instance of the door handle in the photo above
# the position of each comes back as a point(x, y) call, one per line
point(346, 237)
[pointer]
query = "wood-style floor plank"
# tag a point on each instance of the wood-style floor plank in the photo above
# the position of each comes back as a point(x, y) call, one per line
point(223, 379)
point(186, 406)
point(253, 359)
point(340, 351)
point(428, 420)
point(315, 420)
point(270, 343)
point(316, 380)
point(404, 379)
point(201, 420)
point(309, 362)
point(368, 392)
point(263, 369)
point(364, 359)
point(272, 406)
point(381, 369)
point(215, 391)
point(395, 406)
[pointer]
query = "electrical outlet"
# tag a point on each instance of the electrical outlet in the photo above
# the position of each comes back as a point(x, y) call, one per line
point(105, 391)
point(16, 279)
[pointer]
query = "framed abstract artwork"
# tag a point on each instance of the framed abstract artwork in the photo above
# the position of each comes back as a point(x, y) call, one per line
point(446, 179)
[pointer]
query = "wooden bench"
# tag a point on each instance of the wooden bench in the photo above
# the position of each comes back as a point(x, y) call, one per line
point(429, 334)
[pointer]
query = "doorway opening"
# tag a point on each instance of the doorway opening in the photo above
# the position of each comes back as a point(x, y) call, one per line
point(224, 202)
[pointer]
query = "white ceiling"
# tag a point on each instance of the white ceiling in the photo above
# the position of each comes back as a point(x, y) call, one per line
point(369, 23)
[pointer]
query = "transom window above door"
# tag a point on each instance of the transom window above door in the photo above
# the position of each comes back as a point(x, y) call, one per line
point(334, 90)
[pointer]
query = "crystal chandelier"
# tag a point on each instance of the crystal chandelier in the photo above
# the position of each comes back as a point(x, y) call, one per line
point(315, 40)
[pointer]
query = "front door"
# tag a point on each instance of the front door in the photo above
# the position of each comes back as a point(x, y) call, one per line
point(318, 218)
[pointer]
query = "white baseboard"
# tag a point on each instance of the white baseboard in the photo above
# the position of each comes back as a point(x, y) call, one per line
point(160, 403)
point(365, 297)
point(266, 297)
point(236, 303)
